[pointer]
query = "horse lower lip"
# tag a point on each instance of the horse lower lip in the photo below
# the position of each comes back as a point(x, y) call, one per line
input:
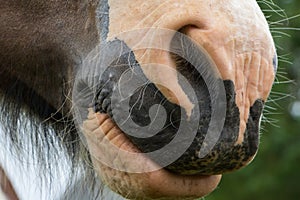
point(163, 182)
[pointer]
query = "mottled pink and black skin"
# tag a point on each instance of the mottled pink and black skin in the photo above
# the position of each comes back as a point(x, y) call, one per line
point(226, 156)
point(45, 46)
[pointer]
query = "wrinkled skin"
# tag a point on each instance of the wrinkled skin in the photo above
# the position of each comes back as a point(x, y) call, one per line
point(234, 34)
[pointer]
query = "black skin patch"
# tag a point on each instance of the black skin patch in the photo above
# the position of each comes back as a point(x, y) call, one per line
point(225, 155)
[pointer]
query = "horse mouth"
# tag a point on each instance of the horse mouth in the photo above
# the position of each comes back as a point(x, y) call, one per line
point(131, 121)
point(138, 113)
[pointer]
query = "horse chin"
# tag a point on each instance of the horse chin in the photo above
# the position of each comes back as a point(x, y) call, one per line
point(138, 177)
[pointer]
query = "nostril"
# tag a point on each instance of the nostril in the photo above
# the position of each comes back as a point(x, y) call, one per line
point(188, 27)
point(192, 26)
point(196, 25)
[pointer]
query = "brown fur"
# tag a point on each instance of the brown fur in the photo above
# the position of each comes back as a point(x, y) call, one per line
point(41, 43)
point(42, 38)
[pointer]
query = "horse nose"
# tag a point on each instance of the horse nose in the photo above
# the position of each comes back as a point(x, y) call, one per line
point(234, 44)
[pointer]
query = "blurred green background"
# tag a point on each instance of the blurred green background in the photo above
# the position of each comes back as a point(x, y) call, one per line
point(275, 172)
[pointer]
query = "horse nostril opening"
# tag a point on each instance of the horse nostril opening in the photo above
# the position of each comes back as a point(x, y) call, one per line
point(185, 28)
point(190, 26)
point(194, 27)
